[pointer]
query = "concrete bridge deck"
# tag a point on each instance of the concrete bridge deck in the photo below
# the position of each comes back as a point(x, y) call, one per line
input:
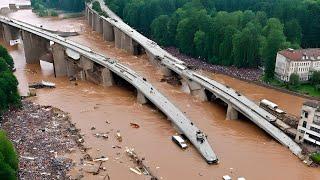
point(144, 89)
point(196, 84)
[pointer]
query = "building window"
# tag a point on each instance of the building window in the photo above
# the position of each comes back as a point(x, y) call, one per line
point(316, 120)
point(315, 129)
point(314, 137)
point(304, 124)
point(305, 114)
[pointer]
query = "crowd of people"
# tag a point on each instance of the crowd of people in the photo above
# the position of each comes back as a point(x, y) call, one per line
point(249, 74)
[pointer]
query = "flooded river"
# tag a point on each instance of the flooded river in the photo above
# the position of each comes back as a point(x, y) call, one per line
point(243, 149)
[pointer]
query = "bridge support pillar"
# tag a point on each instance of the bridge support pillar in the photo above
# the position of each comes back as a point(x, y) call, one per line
point(108, 34)
point(194, 89)
point(98, 23)
point(165, 71)
point(232, 114)
point(90, 19)
point(85, 63)
point(59, 60)
point(10, 33)
point(35, 47)
point(86, 13)
point(127, 43)
point(154, 60)
point(107, 77)
point(90, 71)
point(117, 37)
point(72, 68)
point(141, 98)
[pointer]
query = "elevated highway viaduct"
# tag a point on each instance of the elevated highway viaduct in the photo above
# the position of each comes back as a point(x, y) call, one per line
point(112, 28)
point(74, 60)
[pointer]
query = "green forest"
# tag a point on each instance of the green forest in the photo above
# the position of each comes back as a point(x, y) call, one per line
point(244, 33)
point(67, 5)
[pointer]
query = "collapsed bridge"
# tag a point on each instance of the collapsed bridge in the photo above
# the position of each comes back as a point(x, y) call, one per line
point(74, 60)
point(112, 28)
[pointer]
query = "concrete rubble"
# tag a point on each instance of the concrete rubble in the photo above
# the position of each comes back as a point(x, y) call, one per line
point(42, 84)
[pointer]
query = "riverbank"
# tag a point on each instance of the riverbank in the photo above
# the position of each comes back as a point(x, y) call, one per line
point(42, 136)
point(250, 75)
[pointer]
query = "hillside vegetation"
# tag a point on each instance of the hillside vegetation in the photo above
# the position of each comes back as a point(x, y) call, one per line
point(9, 95)
point(244, 33)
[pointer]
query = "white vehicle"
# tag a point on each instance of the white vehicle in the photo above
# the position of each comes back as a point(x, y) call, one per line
point(268, 104)
point(179, 141)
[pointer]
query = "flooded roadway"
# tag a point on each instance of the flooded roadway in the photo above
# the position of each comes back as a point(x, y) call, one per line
point(239, 144)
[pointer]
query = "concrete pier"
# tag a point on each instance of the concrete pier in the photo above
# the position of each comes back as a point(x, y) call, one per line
point(10, 33)
point(108, 32)
point(232, 114)
point(117, 37)
point(154, 60)
point(34, 47)
point(72, 68)
point(98, 24)
point(141, 98)
point(194, 89)
point(90, 18)
point(107, 77)
point(59, 60)
point(86, 64)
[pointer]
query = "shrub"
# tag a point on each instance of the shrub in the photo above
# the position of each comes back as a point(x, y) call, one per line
point(315, 77)
point(8, 158)
point(53, 13)
point(96, 6)
point(9, 95)
point(294, 80)
point(43, 13)
point(315, 157)
point(6, 56)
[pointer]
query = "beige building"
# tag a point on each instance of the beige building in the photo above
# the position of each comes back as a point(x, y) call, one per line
point(309, 124)
point(302, 62)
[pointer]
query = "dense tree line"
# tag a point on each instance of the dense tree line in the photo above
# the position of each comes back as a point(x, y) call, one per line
point(244, 33)
point(67, 5)
point(9, 95)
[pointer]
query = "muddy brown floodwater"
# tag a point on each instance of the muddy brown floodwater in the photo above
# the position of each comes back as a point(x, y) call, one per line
point(243, 148)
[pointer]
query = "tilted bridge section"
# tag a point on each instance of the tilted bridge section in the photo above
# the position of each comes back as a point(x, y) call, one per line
point(74, 60)
point(112, 28)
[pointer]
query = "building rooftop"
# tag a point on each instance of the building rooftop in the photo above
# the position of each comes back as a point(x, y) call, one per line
point(301, 54)
point(314, 104)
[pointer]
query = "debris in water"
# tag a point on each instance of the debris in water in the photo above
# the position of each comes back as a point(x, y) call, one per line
point(42, 84)
point(136, 171)
point(226, 177)
point(139, 162)
point(32, 92)
point(28, 158)
point(134, 125)
point(91, 168)
point(241, 178)
point(103, 159)
point(119, 137)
